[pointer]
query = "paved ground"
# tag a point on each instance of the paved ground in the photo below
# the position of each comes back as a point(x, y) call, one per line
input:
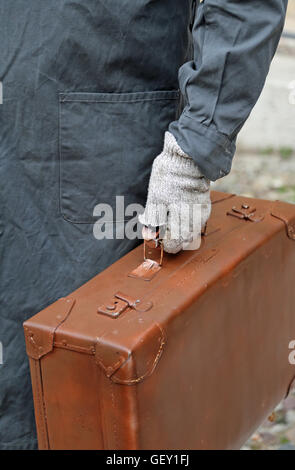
point(272, 120)
point(278, 432)
point(265, 167)
point(265, 174)
point(271, 124)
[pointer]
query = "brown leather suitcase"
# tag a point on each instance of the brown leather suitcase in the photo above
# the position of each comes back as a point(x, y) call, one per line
point(192, 354)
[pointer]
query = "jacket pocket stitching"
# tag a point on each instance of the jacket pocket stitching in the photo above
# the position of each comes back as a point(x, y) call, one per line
point(115, 99)
point(116, 102)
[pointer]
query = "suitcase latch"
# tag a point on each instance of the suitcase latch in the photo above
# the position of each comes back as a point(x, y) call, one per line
point(121, 302)
point(246, 212)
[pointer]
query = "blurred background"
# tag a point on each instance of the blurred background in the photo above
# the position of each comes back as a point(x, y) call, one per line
point(264, 167)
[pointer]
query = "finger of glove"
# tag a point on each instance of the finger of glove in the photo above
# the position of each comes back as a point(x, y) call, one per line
point(184, 225)
point(173, 238)
point(154, 215)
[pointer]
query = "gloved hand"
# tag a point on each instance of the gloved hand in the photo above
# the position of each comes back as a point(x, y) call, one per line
point(178, 199)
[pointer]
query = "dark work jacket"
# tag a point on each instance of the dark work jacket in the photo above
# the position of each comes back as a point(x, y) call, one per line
point(89, 87)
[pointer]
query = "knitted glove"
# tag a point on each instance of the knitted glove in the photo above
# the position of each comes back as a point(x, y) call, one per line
point(178, 199)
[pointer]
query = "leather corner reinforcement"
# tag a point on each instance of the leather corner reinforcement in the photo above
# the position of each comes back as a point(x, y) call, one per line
point(130, 365)
point(40, 336)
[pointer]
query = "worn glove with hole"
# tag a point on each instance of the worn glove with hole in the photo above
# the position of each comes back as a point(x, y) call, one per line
point(178, 199)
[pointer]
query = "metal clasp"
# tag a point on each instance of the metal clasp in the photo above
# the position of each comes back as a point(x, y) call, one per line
point(120, 303)
point(246, 212)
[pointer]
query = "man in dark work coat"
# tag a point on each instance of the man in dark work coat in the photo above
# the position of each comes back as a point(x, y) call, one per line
point(89, 89)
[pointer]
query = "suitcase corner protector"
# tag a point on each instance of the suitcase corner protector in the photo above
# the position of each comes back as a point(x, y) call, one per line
point(286, 214)
point(39, 337)
point(129, 366)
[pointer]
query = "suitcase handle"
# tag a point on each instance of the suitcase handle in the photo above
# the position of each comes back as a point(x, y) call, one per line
point(154, 243)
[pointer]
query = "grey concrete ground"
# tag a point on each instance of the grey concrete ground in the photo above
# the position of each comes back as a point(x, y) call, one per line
point(264, 167)
point(272, 120)
point(271, 124)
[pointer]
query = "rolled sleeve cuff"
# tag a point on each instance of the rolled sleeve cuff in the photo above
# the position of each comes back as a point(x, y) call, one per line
point(212, 151)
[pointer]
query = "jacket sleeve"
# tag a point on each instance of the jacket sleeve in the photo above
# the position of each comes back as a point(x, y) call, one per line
point(234, 42)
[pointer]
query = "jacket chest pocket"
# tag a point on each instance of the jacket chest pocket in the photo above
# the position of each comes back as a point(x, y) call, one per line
point(108, 142)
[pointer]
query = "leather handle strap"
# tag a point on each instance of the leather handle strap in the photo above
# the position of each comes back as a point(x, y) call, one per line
point(154, 243)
